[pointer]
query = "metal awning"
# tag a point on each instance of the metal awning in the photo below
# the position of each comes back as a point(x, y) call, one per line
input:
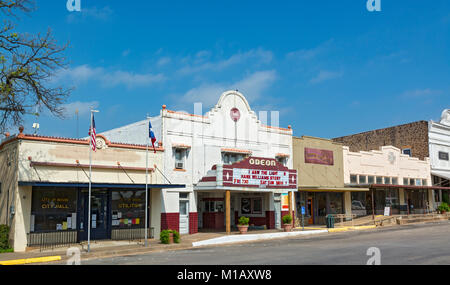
point(332, 189)
point(442, 174)
point(98, 185)
point(405, 187)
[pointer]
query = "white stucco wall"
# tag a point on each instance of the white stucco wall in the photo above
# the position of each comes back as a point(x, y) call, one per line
point(206, 135)
point(439, 140)
point(388, 161)
point(56, 152)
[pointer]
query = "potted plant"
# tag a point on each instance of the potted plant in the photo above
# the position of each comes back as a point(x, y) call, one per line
point(287, 223)
point(243, 224)
point(443, 208)
point(169, 236)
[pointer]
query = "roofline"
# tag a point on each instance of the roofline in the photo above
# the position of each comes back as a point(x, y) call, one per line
point(391, 127)
point(28, 137)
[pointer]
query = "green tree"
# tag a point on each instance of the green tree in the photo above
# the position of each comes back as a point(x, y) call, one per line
point(27, 65)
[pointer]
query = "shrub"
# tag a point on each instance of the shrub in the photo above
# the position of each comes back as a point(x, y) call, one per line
point(243, 221)
point(444, 207)
point(4, 237)
point(287, 219)
point(164, 236)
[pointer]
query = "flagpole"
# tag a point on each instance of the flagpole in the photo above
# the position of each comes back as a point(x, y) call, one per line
point(146, 188)
point(90, 179)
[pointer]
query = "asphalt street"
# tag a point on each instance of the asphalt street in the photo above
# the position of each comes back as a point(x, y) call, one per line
point(416, 244)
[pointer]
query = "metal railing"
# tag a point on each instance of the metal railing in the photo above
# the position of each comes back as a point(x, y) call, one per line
point(343, 218)
point(130, 234)
point(52, 239)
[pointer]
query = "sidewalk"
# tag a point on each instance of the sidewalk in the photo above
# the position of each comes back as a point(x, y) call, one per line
point(105, 249)
point(101, 249)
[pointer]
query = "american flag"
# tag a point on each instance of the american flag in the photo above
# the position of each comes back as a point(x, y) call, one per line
point(93, 135)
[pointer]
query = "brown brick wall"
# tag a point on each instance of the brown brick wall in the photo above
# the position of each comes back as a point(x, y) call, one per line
point(414, 135)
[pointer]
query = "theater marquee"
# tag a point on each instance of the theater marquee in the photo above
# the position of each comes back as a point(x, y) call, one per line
point(261, 173)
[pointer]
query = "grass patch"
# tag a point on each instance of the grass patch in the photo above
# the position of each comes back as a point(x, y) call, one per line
point(6, 250)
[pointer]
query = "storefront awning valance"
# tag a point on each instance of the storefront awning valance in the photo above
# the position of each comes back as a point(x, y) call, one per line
point(98, 185)
point(405, 187)
point(442, 174)
point(332, 189)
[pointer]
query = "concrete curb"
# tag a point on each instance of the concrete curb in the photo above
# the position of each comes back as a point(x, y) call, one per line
point(31, 260)
point(253, 237)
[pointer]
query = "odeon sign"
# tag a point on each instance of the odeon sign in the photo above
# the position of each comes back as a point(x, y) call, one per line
point(262, 162)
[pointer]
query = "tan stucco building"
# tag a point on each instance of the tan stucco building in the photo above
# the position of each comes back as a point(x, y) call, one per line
point(45, 181)
point(321, 189)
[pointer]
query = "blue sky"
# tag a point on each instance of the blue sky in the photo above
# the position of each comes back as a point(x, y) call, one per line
point(330, 67)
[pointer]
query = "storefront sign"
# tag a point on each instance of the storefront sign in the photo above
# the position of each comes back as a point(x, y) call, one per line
point(319, 156)
point(235, 114)
point(54, 203)
point(285, 201)
point(262, 178)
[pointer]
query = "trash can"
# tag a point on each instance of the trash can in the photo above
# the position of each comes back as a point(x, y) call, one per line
point(330, 221)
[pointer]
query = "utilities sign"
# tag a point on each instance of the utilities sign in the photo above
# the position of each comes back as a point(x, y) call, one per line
point(262, 178)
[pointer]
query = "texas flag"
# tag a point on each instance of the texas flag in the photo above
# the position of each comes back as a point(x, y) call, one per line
point(152, 135)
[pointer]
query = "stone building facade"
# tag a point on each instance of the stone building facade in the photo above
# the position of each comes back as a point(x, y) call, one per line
point(410, 138)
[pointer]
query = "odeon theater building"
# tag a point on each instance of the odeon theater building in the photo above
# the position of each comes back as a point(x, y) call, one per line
point(231, 161)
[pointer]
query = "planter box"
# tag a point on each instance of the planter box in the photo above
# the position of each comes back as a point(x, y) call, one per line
point(243, 229)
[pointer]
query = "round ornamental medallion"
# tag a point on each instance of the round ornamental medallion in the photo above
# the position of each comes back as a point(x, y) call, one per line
point(235, 114)
point(101, 144)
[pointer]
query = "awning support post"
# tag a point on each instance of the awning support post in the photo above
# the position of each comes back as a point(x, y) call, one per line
point(228, 211)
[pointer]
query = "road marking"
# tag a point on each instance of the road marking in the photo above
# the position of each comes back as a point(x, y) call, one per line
point(31, 260)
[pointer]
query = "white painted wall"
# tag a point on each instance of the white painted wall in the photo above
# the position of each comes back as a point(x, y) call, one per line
point(377, 163)
point(439, 140)
point(41, 151)
point(206, 135)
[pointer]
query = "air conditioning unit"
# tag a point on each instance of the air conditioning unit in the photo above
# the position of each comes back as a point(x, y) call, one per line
point(179, 165)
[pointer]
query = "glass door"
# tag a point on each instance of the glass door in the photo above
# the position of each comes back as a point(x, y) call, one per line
point(100, 215)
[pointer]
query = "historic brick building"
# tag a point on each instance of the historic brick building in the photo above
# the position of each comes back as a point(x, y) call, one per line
point(419, 139)
point(411, 139)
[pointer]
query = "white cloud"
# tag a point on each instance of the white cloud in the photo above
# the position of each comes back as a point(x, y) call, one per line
point(129, 79)
point(308, 54)
point(83, 108)
point(125, 53)
point(325, 75)
point(261, 55)
point(420, 93)
point(252, 86)
point(84, 73)
point(164, 61)
point(102, 14)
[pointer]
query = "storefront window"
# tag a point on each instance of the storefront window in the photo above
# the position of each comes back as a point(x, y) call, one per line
point(353, 179)
point(371, 179)
point(394, 181)
point(53, 209)
point(417, 201)
point(128, 209)
point(362, 179)
point(387, 198)
point(336, 203)
point(251, 206)
point(379, 180)
point(359, 203)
